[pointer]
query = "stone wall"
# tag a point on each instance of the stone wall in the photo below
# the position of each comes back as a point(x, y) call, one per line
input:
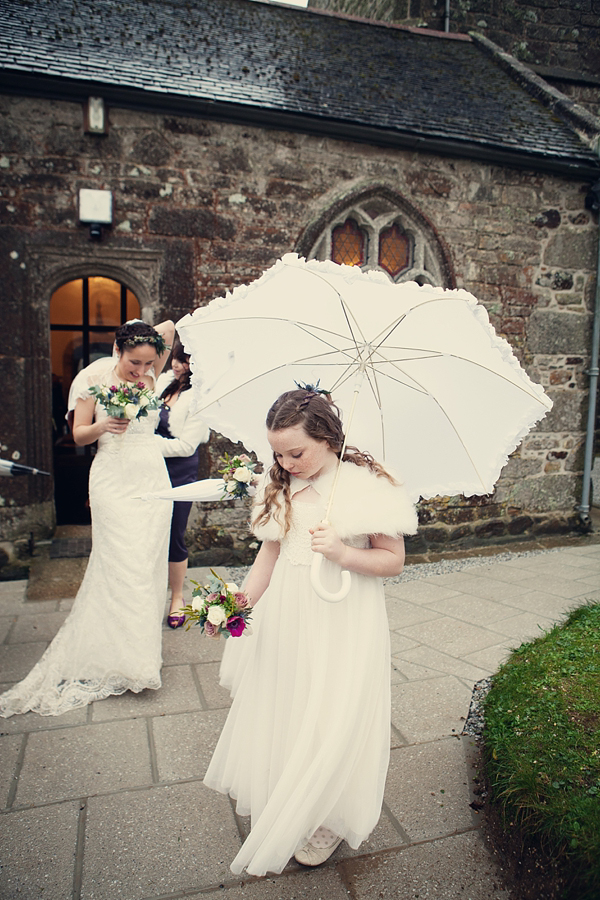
point(201, 206)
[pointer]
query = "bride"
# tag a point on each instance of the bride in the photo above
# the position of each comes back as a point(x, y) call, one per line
point(111, 641)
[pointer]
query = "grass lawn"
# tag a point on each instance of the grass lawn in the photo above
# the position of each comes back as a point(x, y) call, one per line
point(542, 746)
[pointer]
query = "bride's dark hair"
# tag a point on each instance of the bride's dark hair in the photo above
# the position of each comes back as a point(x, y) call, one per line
point(320, 419)
point(133, 333)
point(178, 384)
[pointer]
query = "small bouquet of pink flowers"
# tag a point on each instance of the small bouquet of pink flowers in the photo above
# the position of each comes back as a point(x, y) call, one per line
point(238, 475)
point(220, 608)
point(126, 400)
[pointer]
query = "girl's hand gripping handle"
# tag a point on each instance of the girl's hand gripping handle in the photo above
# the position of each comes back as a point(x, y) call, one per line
point(325, 542)
point(315, 580)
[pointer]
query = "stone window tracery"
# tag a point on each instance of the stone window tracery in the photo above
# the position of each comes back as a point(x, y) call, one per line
point(375, 233)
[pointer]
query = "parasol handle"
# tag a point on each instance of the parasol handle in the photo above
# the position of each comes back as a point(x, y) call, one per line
point(323, 593)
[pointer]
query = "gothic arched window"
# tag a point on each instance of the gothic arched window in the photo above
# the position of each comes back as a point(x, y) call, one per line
point(348, 244)
point(375, 233)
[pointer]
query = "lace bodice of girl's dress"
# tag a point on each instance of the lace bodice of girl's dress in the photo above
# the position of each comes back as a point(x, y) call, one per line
point(296, 545)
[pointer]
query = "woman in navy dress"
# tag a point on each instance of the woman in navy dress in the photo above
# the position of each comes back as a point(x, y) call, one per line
point(180, 433)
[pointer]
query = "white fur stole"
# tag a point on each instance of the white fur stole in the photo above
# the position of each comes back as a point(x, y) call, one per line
point(364, 503)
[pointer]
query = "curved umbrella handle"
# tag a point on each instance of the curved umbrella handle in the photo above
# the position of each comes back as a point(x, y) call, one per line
point(324, 594)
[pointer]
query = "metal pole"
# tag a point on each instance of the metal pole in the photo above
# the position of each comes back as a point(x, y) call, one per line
point(447, 16)
point(584, 508)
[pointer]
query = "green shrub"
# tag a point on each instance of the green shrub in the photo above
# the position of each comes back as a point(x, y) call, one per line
point(542, 745)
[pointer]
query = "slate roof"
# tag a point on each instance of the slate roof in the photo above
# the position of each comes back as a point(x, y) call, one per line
point(286, 65)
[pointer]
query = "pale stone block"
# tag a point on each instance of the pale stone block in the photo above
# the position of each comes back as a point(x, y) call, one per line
point(402, 614)
point(33, 722)
point(181, 646)
point(177, 694)
point(419, 592)
point(323, 883)
point(524, 627)
point(473, 609)
point(216, 697)
point(451, 636)
point(427, 789)
point(492, 589)
point(5, 624)
point(36, 627)
point(442, 663)
point(17, 660)
point(399, 643)
point(491, 658)
point(185, 743)
point(10, 746)
point(430, 709)
point(159, 841)
point(87, 759)
point(453, 868)
point(38, 852)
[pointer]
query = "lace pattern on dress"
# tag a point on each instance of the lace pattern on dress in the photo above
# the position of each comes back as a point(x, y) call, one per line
point(296, 544)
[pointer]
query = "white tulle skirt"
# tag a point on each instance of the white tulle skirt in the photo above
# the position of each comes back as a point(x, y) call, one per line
point(307, 739)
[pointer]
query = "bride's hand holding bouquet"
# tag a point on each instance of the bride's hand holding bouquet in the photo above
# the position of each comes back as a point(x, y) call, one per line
point(124, 402)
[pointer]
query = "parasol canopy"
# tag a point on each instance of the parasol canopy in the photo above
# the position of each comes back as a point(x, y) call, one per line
point(438, 396)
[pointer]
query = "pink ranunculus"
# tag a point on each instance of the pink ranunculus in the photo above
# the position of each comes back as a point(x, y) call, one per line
point(235, 626)
point(244, 457)
point(241, 599)
point(211, 630)
point(141, 385)
point(113, 387)
point(212, 598)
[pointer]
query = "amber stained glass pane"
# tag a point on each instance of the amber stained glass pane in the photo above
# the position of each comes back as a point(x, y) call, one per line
point(348, 244)
point(394, 250)
point(66, 304)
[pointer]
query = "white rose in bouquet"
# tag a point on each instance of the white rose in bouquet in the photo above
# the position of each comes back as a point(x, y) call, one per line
point(243, 474)
point(144, 401)
point(197, 604)
point(230, 487)
point(130, 410)
point(216, 615)
point(231, 586)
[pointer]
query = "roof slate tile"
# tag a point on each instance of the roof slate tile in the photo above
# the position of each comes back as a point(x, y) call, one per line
point(287, 60)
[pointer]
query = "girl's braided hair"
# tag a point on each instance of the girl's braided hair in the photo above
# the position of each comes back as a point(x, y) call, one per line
point(320, 419)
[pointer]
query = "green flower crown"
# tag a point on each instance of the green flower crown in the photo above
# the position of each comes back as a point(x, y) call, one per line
point(157, 341)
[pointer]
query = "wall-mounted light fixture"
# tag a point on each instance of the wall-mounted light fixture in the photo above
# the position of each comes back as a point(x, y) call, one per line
point(95, 210)
point(94, 116)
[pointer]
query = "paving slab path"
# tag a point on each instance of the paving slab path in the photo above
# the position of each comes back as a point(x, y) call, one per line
point(107, 802)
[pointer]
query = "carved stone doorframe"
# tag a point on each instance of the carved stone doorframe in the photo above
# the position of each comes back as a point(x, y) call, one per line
point(48, 268)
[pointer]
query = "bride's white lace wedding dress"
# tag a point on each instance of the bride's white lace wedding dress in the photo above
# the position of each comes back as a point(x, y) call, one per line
point(111, 641)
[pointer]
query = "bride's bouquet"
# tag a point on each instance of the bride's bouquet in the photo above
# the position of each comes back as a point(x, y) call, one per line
point(126, 400)
point(238, 476)
point(219, 608)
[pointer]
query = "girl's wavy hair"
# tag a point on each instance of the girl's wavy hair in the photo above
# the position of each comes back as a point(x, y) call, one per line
point(134, 333)
point(183, 384)
point(320, 419)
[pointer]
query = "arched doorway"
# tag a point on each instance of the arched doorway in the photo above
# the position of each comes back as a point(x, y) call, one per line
point(84, 314)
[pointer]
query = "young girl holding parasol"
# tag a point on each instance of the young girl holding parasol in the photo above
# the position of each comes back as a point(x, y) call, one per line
point(305, 748)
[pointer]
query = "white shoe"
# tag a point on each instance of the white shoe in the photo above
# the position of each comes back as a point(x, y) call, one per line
point(319, 848)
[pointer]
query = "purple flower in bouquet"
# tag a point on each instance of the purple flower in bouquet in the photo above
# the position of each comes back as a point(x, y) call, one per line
point(235, 626)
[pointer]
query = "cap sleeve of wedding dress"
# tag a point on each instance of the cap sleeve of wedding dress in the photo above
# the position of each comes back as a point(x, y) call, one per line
point(98, 372)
